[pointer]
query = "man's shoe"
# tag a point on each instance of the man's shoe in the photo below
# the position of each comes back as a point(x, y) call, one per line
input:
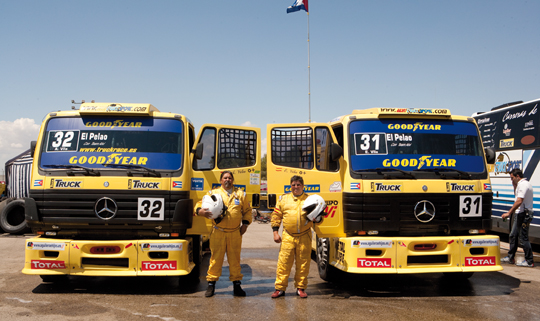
point(507, 259)
point(524, 263)
point(210, 290)
point(301, 293)
point(277, 294)
point(237, 289)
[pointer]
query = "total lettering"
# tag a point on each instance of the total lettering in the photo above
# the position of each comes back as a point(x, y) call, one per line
point(51, 265)
point(153, 266)
point(375, 263)
point(480, 261)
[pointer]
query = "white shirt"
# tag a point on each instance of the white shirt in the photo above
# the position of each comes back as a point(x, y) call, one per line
point(524, 190)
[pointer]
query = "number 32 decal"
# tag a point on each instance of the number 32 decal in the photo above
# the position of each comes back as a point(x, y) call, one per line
point(470, 206)
point(151, 209)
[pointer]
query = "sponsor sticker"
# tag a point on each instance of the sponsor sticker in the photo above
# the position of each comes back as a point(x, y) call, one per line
point(47, 265)
point(381, 187)
point(374, 263)
point(480, 261)
point(38, 183)
point(197, 184)
point(60, 183)
point(158, 265)
point(481, 242)
point(487, 187)
point(42, 246)
point(454, 187)
point(307, 188)
point(335, 187)
point(372, 244)
point(138, 184)
point(162, 247)
point(506, 143)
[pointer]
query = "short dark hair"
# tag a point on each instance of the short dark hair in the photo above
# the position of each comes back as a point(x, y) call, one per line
point(226, 172)
point(517, 172)
point(297, 178)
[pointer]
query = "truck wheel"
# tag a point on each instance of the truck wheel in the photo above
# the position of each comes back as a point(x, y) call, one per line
point(54, 278)
point(326, 271)
point(458, 275)
point(12, 218)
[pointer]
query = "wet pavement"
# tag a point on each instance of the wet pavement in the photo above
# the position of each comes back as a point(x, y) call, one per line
point(512, 294)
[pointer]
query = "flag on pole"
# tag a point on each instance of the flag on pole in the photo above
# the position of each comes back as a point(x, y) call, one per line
point(298, 5)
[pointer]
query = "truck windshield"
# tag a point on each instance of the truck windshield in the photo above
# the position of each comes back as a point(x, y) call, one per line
point(97, 142)
point(411, 145)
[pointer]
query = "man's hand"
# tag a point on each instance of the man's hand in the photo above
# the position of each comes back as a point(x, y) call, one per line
point(205, 212)
point(277, 238)
point(243, 229)
point(505, 215)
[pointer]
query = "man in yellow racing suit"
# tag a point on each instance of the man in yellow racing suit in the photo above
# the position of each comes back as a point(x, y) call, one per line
point(296, 241)
point(227, 233)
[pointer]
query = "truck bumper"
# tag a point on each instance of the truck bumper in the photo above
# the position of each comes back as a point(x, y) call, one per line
point(417, 254)
point(44, 256)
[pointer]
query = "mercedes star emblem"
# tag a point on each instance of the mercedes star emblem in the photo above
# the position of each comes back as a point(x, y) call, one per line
point(424, 211)
point(105, 208)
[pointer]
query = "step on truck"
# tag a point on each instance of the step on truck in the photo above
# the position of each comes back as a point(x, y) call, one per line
point(407, 190)
point(113, 187)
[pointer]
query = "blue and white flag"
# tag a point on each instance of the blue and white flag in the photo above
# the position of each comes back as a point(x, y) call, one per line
point(298, 5)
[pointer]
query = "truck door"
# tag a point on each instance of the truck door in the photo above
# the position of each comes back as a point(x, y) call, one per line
point(222, 147)
point(311, 151)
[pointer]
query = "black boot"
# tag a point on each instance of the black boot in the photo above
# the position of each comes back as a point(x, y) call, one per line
point(237, 289)
point(211, 289)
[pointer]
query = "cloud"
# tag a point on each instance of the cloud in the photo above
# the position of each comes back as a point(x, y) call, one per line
point(248, 124)
point(15, 138)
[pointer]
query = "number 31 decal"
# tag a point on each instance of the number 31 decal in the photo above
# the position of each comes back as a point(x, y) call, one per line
point(470, 206)
point(151, 209)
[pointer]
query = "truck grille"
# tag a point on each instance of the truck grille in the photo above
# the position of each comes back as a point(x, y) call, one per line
point(394, 214)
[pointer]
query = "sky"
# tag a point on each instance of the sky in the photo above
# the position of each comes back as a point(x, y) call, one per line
point(246, 62)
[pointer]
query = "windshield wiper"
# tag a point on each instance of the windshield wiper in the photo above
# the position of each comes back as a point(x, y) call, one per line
point(444, 169)
point(150, 172)
point(381, 170)
point(87, 171)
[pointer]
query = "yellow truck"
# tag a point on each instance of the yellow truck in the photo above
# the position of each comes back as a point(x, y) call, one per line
point(407, 190)
point(114, 185)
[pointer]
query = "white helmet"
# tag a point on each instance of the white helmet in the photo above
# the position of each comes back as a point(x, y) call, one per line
point(314, 207)
point(214, 203)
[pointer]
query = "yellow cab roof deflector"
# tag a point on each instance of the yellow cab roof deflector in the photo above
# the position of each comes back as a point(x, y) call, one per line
point(123, 108)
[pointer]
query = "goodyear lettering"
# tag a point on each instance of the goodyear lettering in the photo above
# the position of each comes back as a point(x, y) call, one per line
point(116, 123)
point(461, 188)
point(420, 162)
point(50, 265)
point(59, 183)
point(374, 263)
point(158, 265)
point(307, 188)
point(116, 159)
point(415, 126)
point(479, 261)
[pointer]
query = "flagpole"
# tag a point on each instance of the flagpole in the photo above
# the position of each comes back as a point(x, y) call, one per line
point(309, 69)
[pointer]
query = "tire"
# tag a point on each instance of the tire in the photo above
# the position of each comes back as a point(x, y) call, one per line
point(12, 219)
point(326, 271)
point(458, 275)
point(54, 278)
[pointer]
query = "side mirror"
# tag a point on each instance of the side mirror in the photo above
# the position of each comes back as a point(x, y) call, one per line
point(490, 155)
point(255, 200)
point(272, 200)
point(33, 147)
point(335, 151)
point(199, 151)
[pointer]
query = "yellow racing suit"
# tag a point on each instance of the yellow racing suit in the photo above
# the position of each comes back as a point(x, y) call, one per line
point(225, 237)
point(295, 240)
